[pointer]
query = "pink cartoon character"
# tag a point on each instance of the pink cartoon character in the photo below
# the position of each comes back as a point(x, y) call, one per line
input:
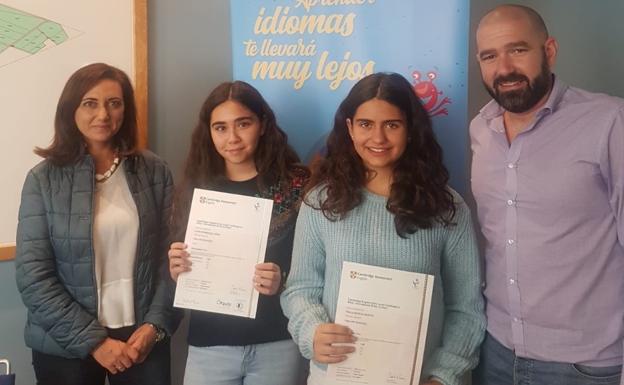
point(428, 94)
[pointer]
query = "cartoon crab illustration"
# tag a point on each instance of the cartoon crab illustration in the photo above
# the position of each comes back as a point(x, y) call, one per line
point(429, 94)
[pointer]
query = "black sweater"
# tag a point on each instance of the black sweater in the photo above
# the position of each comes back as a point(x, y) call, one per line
point(210, 329)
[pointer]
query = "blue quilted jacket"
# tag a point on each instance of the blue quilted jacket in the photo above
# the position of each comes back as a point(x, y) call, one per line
point(54, 260)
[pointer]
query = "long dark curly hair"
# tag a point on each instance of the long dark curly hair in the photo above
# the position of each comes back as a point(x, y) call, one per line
point(419, 196)
point(276, 162)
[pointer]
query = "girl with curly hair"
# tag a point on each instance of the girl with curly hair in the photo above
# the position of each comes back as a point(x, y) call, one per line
point(237, 147)
point(380, 197)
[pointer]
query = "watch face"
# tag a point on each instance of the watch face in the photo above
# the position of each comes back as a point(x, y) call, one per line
point(160, 334)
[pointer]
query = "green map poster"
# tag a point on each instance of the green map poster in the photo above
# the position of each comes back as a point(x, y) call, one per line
point(23, 34)
point(42, 42)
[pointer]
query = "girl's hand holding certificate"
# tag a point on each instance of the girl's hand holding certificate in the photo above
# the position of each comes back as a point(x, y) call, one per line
point(267, 277)
point(179, 261)
point(328, 334)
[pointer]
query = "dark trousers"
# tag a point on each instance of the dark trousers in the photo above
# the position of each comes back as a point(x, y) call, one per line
point(500, 366)
point(55, 370)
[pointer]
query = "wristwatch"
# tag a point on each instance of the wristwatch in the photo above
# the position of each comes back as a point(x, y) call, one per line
point(160, 334)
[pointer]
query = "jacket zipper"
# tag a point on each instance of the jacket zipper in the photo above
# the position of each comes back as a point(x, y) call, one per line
point(137, 256)
point(91, 221)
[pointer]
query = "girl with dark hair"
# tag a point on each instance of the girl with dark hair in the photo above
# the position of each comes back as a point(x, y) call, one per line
point(237, 147)
point(380, 197)
point(91, 243)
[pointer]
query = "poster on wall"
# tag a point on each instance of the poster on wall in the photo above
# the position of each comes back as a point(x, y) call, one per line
point(305, 55)
point(41, 44)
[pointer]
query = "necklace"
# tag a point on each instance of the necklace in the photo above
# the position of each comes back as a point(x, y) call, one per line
point(99, 178)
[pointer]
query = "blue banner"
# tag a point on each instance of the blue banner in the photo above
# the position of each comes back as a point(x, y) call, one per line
point(305, 55)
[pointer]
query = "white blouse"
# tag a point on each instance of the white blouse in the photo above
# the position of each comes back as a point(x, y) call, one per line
point(115, 233)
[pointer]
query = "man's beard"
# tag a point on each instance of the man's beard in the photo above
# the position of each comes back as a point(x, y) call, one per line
point(523, 99)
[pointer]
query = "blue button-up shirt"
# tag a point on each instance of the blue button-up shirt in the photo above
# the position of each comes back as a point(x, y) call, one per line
point(551, 208)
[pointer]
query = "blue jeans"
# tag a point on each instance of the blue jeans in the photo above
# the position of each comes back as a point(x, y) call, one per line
point(273, 363)
point(500, 366)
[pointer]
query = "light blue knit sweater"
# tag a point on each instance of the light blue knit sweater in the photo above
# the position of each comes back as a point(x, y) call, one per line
point(368, 235)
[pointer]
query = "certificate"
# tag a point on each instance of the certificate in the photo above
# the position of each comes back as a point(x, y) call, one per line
point(226, 237)
point(388, 311)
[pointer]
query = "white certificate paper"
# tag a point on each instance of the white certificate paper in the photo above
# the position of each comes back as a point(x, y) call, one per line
point(388, 311)
point(226, 237)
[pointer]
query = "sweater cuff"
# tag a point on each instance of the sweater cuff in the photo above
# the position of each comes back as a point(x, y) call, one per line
point(446, 368)
point(446, 378)
point(306, 339)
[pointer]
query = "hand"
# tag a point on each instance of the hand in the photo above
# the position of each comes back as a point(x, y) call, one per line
point(328, 334)
point(114, 355)
point(267, 278)
point(143, 340)
point(179, 261)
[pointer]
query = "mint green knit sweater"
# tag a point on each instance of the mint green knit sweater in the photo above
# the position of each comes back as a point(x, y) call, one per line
point(367, 235)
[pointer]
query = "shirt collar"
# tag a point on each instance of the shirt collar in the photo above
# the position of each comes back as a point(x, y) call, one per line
point(493, 109)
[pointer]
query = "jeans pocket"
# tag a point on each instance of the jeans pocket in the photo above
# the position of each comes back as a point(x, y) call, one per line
point(598, 372)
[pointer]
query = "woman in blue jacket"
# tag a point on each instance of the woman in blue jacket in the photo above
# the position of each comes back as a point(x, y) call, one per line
point(92, 239)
